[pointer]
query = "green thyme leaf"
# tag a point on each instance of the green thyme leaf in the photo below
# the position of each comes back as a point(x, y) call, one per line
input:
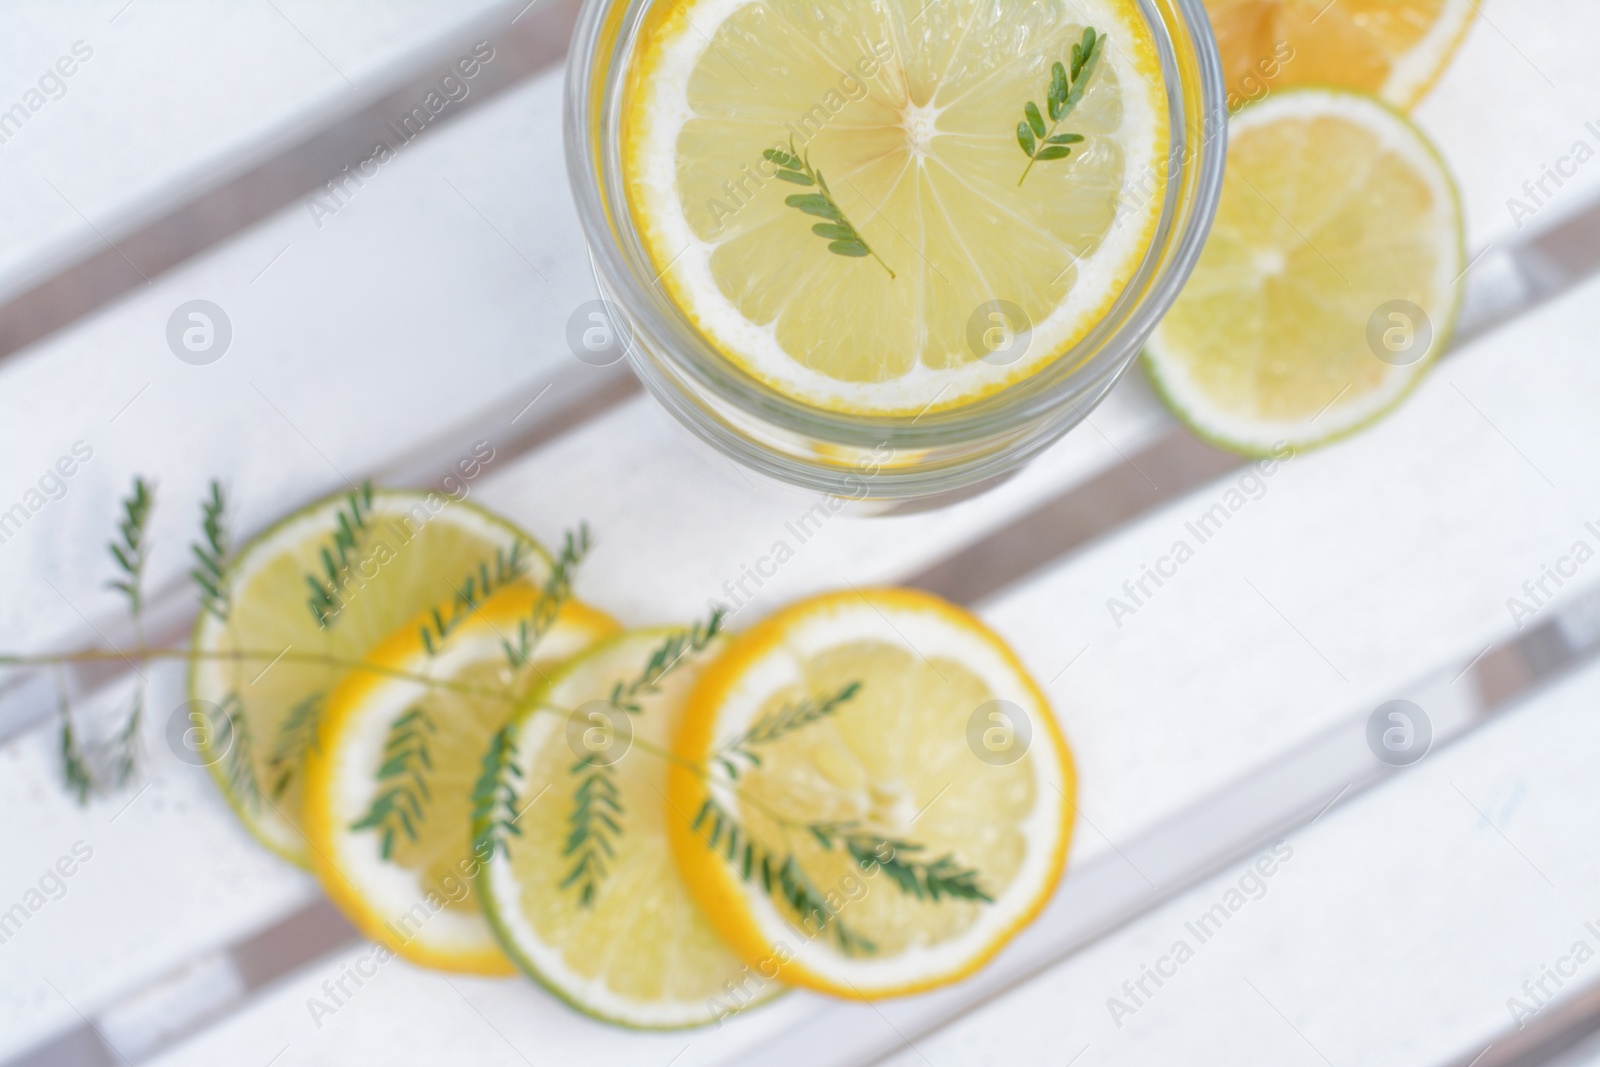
point(834, 231)
point(814, 204)
point(1058, 91)
point(1035, 120)
point(401, 806)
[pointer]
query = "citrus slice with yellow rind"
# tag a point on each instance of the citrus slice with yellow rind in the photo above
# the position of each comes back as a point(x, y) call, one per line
point(1329, 284)
point(389, 779)
point(586, 899)
point(910, 117)
point(306, 598)
point(880, 795)
point(1395, 49)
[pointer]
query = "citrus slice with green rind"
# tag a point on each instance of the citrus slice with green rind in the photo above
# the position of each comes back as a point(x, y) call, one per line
point(304, 600)
point(593, 908)
point(1329, 284)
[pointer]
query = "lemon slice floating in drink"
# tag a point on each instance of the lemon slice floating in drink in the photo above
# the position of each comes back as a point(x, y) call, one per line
point(897, 207)
point(1330, 282)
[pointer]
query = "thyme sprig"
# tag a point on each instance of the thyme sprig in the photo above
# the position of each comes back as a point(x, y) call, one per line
point(842, 237)
point(557, 589)
point(738, 754)
point(494, 797)
point(595, 820)
point(130, 548)
point(924, 879)
point(233, 736)
point(211, 554)
point(76, 772)
point(296, 736)
point(92, 764)
point(489, 578)
point(88, 766)
point(402, 806)
point(593, 828)
point(125, 744)
point(678, 647)
point(1040, 143)
point(130, 551)
point(780, 877)
point(353, 518)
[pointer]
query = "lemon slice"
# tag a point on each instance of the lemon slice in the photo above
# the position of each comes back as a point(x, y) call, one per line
point(1393, 48)
point(394, 554)
point(961, 277)
point(1330, 282)
point(626, 945)
point(394, 850)
point(897, 793)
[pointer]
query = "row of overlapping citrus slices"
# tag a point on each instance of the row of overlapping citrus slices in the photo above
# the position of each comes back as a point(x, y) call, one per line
point(864, 793)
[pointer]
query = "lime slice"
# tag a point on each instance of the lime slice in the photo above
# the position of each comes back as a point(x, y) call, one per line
point(885, 798)
point(1330, 282)
point(392, 554)
point(946, 266)
point(621, 941)
point(1395, 49)
point(387, 803)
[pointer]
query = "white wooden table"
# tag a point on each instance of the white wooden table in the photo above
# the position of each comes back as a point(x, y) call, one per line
point(428, 312)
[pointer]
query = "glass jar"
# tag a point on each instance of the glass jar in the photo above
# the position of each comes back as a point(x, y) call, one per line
point(936, 455)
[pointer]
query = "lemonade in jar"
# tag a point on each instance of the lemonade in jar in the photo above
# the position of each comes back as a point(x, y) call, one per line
point(890, 248)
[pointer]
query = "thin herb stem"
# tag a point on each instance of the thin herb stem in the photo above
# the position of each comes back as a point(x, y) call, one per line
point(146, 652)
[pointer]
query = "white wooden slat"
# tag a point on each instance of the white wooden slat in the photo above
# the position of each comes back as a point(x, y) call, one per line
point(1360, 566)
point(165, 96)
point(1164, 710)
point(1395, 933)
point(405, 312)
point(1520, 95)
point(170, 874)
point(1585, 1054)
point(402, 1014)
point(679, 528)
